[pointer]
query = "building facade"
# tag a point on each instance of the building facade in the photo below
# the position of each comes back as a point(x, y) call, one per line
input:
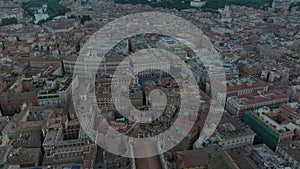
point(237, 105)
point(289, 151)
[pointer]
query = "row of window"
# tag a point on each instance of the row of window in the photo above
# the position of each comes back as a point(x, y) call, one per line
point(239, 141)
point(68, 155)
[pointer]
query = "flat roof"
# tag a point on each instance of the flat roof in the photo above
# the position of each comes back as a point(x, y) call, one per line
point(24, 156)
point(31, 139)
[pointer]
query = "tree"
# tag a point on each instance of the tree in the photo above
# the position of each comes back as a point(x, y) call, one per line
point(85, 18)
point(55, 9)
point(216, 4)
point(9, 21)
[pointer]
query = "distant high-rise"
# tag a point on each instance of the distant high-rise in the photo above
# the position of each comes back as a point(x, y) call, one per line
point(128, 48)
point(197, 3)
point(294, 93)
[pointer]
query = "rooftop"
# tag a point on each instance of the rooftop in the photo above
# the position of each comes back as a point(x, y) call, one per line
point(60, 24)
point(203, 157)
point(170, 41)
point(294, 106)
point(267, 156)
point(60, 84)
point(292, 148)
point(228, 131)
point(17, 96)
point(230, 128)
point(239, 84)
point(3, 151)
point(259, 97)
point(33, 113)
point(18, 127)
point(24, 156)
point(275, 122)
point(31, 139)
